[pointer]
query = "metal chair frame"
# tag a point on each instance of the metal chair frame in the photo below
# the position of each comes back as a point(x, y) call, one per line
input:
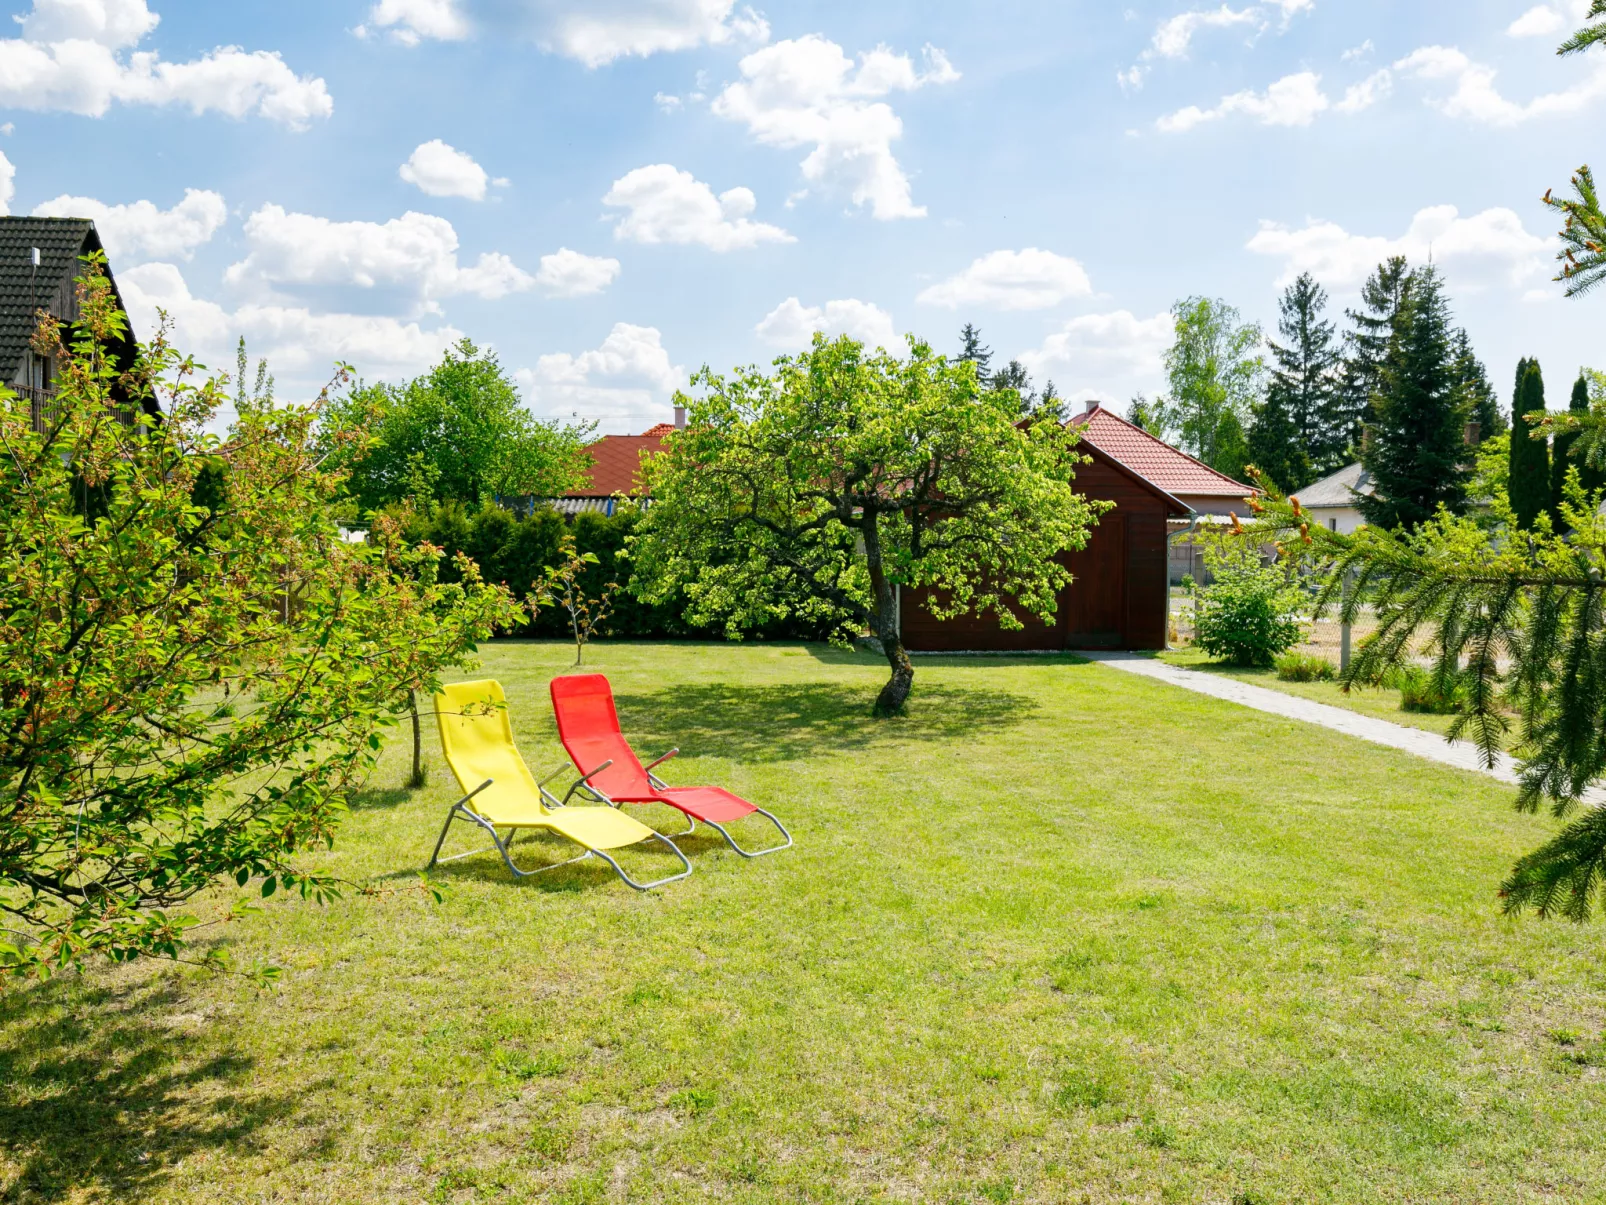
point(461, 810)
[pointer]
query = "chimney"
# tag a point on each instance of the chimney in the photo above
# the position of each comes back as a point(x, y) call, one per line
point(1473, 431)
point(680, 418)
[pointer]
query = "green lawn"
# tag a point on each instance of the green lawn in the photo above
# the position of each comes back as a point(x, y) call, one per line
point(1378, 701)
point(1063, 934)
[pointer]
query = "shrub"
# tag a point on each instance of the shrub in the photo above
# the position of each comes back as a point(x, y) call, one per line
point(1305, 667)
point(1188, 583)
point(1250, 615)
point(1421, 691)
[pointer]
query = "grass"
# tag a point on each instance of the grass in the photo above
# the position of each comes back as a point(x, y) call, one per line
point(1061, 934)
point(1379, 701)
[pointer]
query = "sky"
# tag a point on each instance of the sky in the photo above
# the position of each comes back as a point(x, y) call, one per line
point(611, 194)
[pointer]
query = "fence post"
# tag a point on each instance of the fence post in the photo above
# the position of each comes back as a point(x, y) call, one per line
point(1343, 629)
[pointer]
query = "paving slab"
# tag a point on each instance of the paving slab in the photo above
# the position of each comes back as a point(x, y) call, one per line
point(1463, 755)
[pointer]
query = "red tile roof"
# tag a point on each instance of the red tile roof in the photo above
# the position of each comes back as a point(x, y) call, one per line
point(1153, 459)
point(615, 461)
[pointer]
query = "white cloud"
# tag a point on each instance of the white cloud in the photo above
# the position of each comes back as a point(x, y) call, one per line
point(8, 184)
point(68, 59)
point(410, 21)
point(594, 32)
point(1368, 92)
point(415, 253)
point(1358, 52)
point(792, 325)
point(665, 205)
point(1488, 247)
point(1539, 21)
point(567, 273)
point(140, 231)
point(441, 170)
point(1291, 8)
point(624, 383)
point(113, 23)
point(1106, 356)
point(1475, 96)
point(1175, 34)
point(1293, 100)
point(1031, 279)
point(807, 92)
point(301, 346)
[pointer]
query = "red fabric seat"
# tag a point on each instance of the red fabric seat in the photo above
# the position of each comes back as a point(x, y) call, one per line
point(588, 726)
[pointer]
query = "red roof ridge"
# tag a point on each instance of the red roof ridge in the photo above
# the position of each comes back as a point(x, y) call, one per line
point(1132, 430)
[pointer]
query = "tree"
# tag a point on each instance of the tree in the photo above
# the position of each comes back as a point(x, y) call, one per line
point(1561, 459)
point(1146, 415)
point(1417, 454)
point(1366, 354)
point(1478, 400)
point(1275, 446)
point(196, 669)
point(1304, 380)
point(1528, 483)
point(564, 587)
point(973, 351)
point(1213, 369)
point(459, 433)
point(816, 492)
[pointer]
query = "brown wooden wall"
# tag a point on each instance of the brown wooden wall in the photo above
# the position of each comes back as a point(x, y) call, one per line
point(1117, 599)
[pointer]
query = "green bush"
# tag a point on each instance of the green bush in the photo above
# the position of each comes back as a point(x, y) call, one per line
point(1250, 615)
point(1421, 691)
point(1305, 667)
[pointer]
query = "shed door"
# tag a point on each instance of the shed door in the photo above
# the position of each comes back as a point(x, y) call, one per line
point(1095, 605)
point(1146, 594)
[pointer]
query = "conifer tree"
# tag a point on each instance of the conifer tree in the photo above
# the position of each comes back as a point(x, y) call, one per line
point(1416, 453)
point(1304, 381)
point(1561, 458)
point(1366, 350)
point(1231, 448)
point(1478, 397)
point(1275, 446)
point(973, 351)
point(1529, 486)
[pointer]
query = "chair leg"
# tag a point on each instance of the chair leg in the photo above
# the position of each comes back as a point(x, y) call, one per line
point(674, 878)
point(773, 849)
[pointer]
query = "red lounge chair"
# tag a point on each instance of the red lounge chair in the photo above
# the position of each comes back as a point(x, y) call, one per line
point(588, 726)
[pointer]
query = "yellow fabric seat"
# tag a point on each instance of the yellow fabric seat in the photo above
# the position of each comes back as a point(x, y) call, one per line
point(501, 793)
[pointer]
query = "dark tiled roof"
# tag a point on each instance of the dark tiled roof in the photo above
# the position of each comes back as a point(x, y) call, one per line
point(22, 289)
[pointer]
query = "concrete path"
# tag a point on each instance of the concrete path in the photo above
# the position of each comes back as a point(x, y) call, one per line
point(1462, 754)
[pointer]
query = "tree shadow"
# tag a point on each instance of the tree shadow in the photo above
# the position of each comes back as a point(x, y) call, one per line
point(104, 1090)
point(374, 799)
point(791, 722)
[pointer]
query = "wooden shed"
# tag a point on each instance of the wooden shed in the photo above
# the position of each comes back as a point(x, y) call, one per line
point(1119, 597)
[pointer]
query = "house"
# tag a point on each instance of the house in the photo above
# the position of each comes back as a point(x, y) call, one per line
point(1331, 501)
point(40, 258)
point(616, 469)
point(1120, 598)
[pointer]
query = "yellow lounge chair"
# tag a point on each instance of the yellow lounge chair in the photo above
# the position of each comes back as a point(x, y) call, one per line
point(478, 742)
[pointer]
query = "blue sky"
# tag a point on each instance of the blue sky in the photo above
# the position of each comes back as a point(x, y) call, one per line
point(612, 193)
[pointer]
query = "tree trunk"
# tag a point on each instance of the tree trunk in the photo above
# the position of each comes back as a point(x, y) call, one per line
point(896, 692)
point(417, 780)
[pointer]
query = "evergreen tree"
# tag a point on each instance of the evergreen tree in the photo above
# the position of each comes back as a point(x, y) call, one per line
point(1275, 445)
point(1478, 397)
point(1591, 477)
point(1304, 379)
point(1561, 458)
point(1529, 485)
point(1145, 415)
point(1050, 404)
point(1366, 350)
point(1232, 448)
point(1416, 453)
point(972, 350)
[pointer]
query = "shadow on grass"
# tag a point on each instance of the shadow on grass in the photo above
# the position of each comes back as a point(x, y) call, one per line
point(786, 723)
point(533, 850)
point(104, 1092)
point(374, 799)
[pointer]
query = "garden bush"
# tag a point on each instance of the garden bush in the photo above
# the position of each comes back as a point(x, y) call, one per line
point(1305, 667)
point(1250, 614)
point(1421, 691)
